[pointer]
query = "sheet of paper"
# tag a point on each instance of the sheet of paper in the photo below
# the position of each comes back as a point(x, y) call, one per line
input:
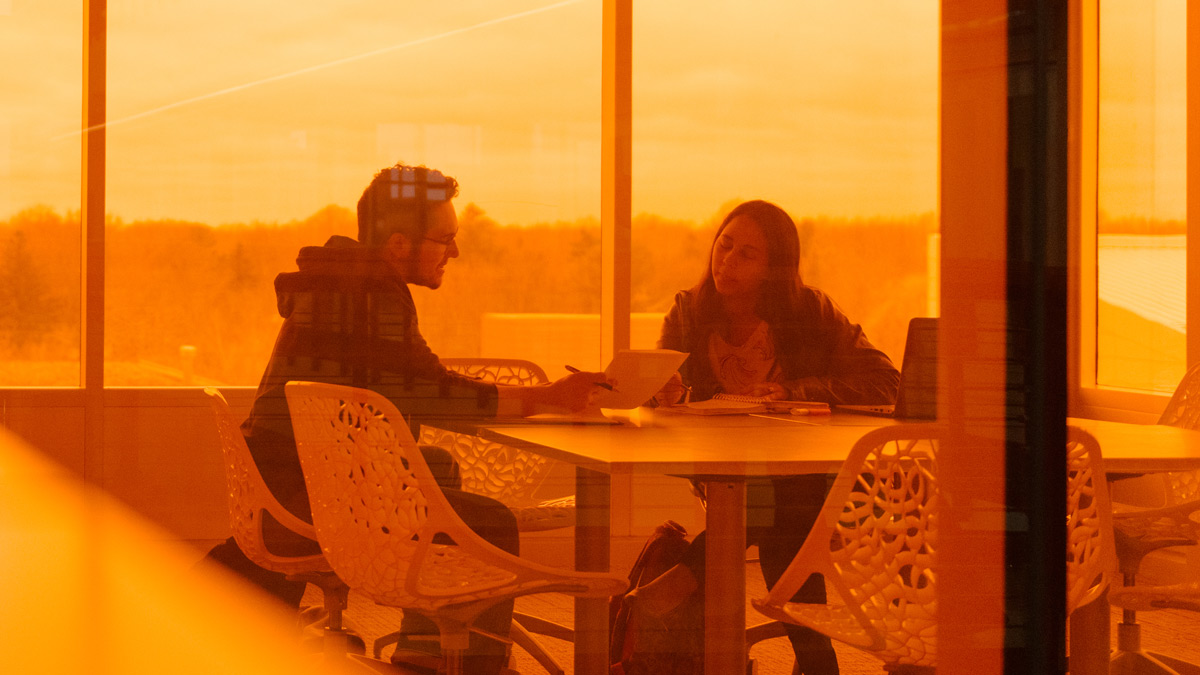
point(639, 374)
point(585, 417)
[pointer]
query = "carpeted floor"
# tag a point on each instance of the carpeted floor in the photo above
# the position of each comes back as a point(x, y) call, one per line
point(1169, 632)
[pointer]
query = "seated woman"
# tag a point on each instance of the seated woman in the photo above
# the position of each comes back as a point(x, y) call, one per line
point(752, 327)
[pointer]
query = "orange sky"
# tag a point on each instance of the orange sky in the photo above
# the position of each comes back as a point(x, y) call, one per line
point(233, 111)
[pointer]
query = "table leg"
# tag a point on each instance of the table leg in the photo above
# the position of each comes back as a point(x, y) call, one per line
point(725, 584)
point(592, 512)
point(1091, 630)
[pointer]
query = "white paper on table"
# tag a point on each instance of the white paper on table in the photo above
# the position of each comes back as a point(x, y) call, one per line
point(638, 375)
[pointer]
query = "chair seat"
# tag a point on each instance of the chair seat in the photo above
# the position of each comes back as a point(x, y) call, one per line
point(832, 620)
point(381, 517)
point(1146, 598)
point(547, 515)
point(442, 583)
point(1168, 523)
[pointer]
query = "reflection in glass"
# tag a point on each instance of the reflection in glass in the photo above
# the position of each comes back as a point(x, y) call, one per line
point(1142, 240)
point(40, 192)
point(828, 111)
point(232, 149)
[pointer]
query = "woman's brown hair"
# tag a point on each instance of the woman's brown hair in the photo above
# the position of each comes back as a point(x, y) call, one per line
point(779, 297)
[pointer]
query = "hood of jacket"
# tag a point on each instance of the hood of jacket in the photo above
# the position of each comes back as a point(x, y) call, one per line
point(342, 265)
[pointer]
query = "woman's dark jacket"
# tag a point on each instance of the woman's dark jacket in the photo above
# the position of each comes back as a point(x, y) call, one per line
point(832, 361)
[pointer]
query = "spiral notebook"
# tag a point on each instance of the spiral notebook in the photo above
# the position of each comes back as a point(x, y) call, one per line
point(731, 404)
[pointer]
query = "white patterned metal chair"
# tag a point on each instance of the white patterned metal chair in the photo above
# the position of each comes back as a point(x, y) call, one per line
point(249, 501)
point(1140, 531)
point(875, 542)
point(504, 473)
point(512, 477)
point(377, 510)
point(1091, 553)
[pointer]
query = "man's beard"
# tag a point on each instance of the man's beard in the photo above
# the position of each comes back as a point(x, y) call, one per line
point(414, 273)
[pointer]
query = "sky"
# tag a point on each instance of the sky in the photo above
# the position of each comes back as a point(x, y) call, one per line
point(241, 111)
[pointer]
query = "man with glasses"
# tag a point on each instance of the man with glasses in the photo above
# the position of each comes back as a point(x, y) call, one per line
point(349, 319)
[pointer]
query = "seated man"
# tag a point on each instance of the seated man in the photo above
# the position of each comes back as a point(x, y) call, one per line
point(349, 319)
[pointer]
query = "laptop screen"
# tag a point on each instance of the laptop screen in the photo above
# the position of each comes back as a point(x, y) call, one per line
point(917, 398)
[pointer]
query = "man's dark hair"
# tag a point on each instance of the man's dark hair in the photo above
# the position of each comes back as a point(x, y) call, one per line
point(397, 201)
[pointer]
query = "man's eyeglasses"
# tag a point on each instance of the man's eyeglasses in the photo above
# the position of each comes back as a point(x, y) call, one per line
point(444, 241)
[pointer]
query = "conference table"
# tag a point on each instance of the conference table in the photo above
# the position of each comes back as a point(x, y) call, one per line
point(721, 452)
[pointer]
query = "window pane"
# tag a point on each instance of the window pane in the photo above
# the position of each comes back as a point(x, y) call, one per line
point(41, 45)
point(825, 110)
point(1142, 241)
point(255, 136)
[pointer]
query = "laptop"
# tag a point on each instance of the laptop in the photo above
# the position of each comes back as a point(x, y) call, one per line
point(917, 397)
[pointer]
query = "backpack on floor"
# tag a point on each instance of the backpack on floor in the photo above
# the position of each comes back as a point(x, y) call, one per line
point(644, 645)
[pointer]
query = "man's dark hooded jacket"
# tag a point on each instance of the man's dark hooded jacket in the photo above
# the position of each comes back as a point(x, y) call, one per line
point(348, 320)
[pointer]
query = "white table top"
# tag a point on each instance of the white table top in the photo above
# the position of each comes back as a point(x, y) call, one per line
point(1141, 448)
point(693, 445)
point(740, 445)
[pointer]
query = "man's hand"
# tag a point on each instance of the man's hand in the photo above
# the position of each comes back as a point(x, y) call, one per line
point(567, 395)
point(672, 391)
point(573, 392)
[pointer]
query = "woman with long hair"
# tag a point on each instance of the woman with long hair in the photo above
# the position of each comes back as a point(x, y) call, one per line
point(752, 327)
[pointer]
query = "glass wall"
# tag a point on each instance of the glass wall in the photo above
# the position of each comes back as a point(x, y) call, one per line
point(230, 150)
point(39, 192)
point(821, 108)
point(1142, 204)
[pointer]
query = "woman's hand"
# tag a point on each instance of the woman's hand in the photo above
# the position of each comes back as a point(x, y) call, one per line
point(672, 391)
point(771, 390)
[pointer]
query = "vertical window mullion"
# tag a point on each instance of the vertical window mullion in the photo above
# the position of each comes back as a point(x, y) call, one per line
point(95, 52)
point(1193, 182)
point(615, 176)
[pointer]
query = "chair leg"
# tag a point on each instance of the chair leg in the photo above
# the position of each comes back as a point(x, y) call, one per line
point(1181, 667)
point(336, 600)
point(1139, 663)
point(526, 641)
point(383, 641)
point(455, 639)
point(338, 641)
point(1129, 659)
point(541, 626)
point(337, 638)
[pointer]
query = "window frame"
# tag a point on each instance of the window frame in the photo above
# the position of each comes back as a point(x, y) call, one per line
point(1085, 397)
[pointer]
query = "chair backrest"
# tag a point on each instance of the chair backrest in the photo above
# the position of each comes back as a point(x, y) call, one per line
point(249, 499)
point(377, 507)
point(876, 538)
point(875, 541)
point(1090, 548)
point(1183, 411)
point(487, 468)
point(500, 371)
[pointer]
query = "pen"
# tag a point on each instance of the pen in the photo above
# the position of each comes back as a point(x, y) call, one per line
point(605, 385)
point(810, 411)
